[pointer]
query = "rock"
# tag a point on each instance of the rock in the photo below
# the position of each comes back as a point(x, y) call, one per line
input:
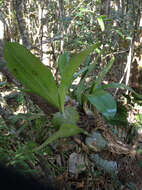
point(96, 142)
point(76, 164)
point(108, 166)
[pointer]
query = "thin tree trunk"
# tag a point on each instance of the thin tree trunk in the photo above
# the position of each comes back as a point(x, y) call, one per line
point(18, 7)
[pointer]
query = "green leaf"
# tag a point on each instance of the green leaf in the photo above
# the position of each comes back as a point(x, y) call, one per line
point(80, 86)
point(2, 83)
point(79, 91)
point(69, 116)
point(138, 118)
point(66, 130)
point(122, 86)
point(104, 102)
point(101, 23)
point(63, 60)
point(58, 119)
point(120, 118)
point(80, 72)
point(70, 69)
point(27, 68)
point(103, 73)
point(120, 33)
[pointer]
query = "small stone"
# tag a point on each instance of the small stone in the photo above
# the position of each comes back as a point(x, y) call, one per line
point(108, 166)
point(96, 142)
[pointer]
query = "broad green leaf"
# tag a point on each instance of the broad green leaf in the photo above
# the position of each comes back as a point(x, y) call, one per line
point(70, 69)
point(101, 23)
point(58, 119)
point(103, 73)
point(27, 68)
point(66, 130)
point(122, 86)
point(104, 102)
point(70, 115)
point(62, 62)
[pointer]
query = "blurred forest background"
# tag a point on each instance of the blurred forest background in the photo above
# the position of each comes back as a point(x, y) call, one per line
point(49, 28)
